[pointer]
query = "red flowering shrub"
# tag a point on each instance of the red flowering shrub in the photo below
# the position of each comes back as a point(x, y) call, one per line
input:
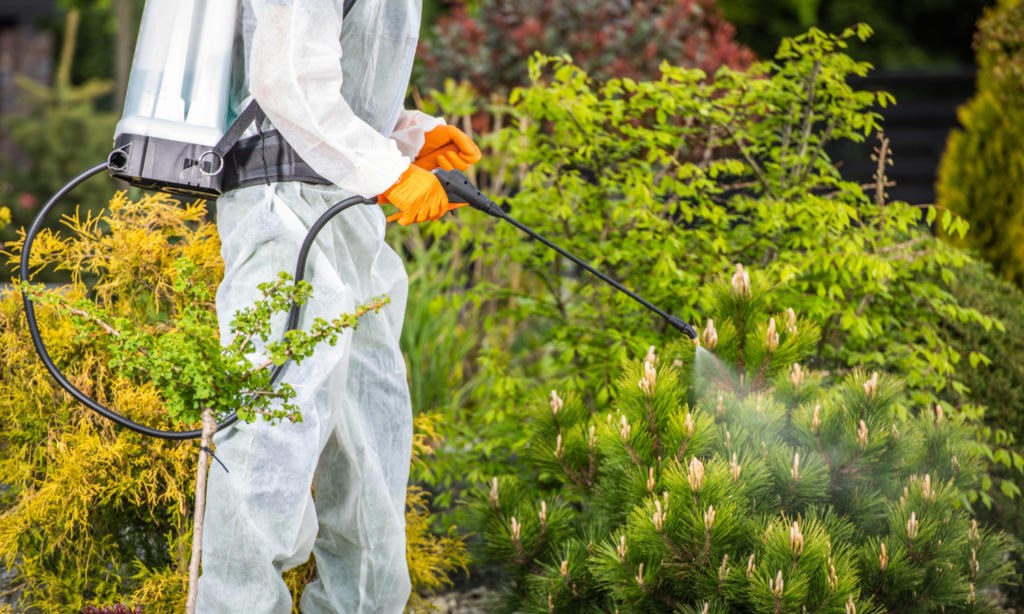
point(607, 38)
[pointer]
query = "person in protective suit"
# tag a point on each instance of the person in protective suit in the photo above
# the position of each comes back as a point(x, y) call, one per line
point(334, 87)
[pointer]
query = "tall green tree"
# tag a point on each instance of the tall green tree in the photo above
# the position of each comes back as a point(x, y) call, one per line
point(982, 171)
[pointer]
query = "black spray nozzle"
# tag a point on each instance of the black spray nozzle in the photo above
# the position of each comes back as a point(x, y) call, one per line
point(682, 327)
point(460, 189)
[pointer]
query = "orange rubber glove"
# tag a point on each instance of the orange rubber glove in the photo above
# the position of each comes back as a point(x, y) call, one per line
point(418, 194)
point(449, 148)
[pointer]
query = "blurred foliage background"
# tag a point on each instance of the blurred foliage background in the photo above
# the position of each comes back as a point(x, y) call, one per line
point(486, 335)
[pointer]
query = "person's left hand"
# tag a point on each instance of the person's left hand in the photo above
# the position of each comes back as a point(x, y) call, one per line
point(449, 148)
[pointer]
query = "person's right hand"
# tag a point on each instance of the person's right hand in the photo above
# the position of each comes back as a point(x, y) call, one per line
point(418, 194)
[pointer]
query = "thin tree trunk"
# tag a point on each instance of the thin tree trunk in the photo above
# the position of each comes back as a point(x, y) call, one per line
point(67, 53)
point(206, 443)
point(123, 42)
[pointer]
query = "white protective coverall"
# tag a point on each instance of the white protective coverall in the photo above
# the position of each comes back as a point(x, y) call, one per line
point(336, 95)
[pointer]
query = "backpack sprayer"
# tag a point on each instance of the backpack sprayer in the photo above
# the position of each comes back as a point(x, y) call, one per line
point(174, 137)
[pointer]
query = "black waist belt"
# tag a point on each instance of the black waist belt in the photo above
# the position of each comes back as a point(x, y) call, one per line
point(265, 159)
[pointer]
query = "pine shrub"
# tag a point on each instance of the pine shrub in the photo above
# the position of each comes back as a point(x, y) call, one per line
point(728, 479)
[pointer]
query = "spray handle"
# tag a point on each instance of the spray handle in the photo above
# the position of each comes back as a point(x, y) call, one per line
point(461, 193)
point(461, 190)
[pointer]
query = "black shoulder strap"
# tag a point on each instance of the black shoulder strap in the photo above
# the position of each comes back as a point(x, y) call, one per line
point(348, 7)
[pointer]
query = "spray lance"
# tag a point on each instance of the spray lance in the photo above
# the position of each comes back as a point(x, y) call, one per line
point(173, 138)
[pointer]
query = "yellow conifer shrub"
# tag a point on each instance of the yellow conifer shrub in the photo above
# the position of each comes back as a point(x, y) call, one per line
point(95, 514)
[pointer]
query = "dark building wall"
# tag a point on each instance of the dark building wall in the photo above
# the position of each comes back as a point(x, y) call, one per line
point(917, 128)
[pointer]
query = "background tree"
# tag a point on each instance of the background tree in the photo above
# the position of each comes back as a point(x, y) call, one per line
point(982, 172)
point(913, 33)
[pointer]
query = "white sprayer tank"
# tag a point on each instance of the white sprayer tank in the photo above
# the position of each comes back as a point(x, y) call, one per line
point(177, 103)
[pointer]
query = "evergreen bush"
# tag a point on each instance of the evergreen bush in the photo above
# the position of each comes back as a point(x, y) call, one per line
point(727, 479)
point(982, 172)
point(94, 514)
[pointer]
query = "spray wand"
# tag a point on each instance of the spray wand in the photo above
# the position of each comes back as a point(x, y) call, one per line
point(460, 191)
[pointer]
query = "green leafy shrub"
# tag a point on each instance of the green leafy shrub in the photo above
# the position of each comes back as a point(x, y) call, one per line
point(733, 481)
point(982, 171)
point(664, 184)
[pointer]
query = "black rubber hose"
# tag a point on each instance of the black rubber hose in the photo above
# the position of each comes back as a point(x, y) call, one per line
point(84, 399)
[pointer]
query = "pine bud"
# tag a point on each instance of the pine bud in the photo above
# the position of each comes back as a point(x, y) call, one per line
point(795, 472)
point(543, 514)
point(650, 479)
point(625, 430)
point(862, 435)
point(688, 425)
point(651, 358)
point(883, 559)
point(621, 549)
point(720, 411)
point(734, 469)
point(850, 608)
point(833, 578)
point(494, 493)
point(695, 474)
point(516, 528)
point(640, 575)
point(776, 586)
point(791, 321)
point(565, 569)
point(556, 403)
point(772, 337)
point(709, 517)
point(710, 336)
point(938, 414)
point(659, 516)
point(728, 439)
point(954, 464)
point(796, 377)
point(972, 533)
point(973, 565)
point(723, 570)
point(895, 432)
point(816, 420)
point(551, 604)
point(592, 437)
point(750, 566)
point(926, 490)
point(912, 526)
point(707, 606)
point(558, 447)
point(972, 597)
point(871, 386)
point(741, 281)
point(648, 383)
point(796, 539)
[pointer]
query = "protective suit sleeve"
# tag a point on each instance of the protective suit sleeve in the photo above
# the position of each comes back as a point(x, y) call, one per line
point(410, 131)
point(295, 74)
